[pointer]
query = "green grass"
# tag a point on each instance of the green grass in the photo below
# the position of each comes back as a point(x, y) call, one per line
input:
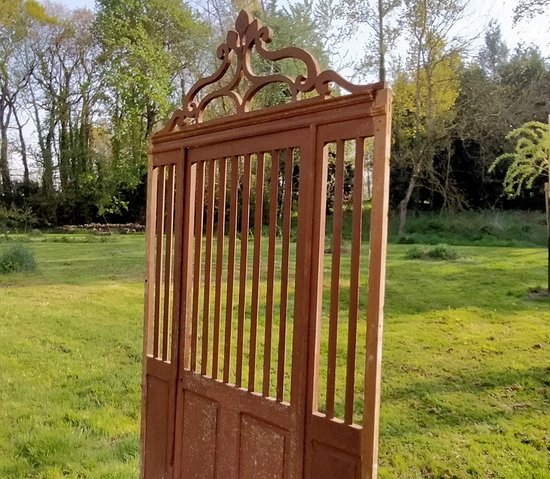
point(466, 378)
point(485, 228)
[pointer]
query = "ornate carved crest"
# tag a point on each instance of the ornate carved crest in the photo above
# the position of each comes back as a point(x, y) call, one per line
point(249, 33)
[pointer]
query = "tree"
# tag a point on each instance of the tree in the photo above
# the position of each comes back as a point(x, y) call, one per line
point(377, 16)
point(16, 19)
point(147, 48)
point(530, 158)
point(494, 53)
point(529, 161)
point(529, 9)
point(426, 95)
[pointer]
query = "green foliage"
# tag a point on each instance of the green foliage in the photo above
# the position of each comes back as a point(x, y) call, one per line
point(146, 45)
point(530, 158)
point(488, 228)
point(16, 219)
point(16, 258)
point(440, 252)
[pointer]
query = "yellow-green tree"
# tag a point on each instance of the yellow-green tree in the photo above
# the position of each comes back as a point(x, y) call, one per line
point(425, 95)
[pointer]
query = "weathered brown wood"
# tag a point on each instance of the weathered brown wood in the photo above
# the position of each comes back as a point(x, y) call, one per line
point(232, 233)
point(197, 423)
point(184, 261)
point(211, 190)
point(199, 221)
point(220, 222)
point(268, 329)
point(258, 214)
point(245, 214)
point(184, 198)
point(161, 184)
point(377, 274)
point(355, 272)
point(168, 261)
point(148, 303)
point(335, 277)
point(285, 260)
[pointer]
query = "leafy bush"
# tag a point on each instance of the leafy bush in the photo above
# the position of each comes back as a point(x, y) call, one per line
point(488, 228)
point(439, 253)
point(15, 219)
point(17, 258)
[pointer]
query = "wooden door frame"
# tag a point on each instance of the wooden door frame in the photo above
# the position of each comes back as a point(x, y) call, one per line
point(371, 104)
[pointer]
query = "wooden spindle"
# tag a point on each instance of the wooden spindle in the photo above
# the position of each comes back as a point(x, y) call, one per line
point(210, 194)
point(245, 215)
point(268, 330)
point(335, 277)
point(199, 223)
point(258, 214)
point(168, 260)
point(287, 219)
point(232, 233)
point(222, 186)
point(161, 184)
point(354, 278)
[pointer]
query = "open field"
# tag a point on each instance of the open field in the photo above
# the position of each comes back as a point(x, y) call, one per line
point(466, 389)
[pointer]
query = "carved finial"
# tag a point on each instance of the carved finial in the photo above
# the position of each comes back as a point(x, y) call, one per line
point(250, 33)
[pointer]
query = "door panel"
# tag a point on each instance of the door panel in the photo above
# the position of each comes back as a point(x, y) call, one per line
point(240, 397)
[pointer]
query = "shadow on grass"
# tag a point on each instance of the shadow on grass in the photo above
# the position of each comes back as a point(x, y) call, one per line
point(470, 400)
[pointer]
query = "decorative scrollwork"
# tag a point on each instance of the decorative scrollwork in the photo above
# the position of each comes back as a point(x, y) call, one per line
point(249, 32)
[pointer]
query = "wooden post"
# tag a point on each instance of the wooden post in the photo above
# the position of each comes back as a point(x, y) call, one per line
point(547, 201)
point(377, 275)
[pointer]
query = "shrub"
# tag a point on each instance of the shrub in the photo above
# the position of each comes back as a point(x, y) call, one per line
point(15, 219)
point(17, 258)
point(440, 252)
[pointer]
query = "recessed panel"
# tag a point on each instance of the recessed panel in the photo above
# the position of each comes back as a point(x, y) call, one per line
point(262, 450)
point(156, 427)
point(200, 422)
point(332, 463)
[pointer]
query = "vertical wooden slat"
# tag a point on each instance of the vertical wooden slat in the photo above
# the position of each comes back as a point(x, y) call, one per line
point(354, 277)
point(268, 330)
point(161, 183)
point(148, 300)
point(185, 260)
point(245, 214)
point(232, 233)
point(256, 270)
point(152, 184)
point(287, 218)
point(377, 275)
point(168, 260)
point(335, 277)
point(222, 186)
point(199, 220)
point(211, 189)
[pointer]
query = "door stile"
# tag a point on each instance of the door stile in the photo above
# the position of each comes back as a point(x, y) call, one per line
point(182, 324)
point(316, 258)
point(376, 287)
point(150, 216)
point(300, 362)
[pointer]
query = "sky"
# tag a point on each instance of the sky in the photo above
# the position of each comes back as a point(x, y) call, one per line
point(536, 31)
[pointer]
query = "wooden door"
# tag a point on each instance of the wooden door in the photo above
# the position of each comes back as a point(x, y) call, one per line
point(262, 334)
point(242, 377)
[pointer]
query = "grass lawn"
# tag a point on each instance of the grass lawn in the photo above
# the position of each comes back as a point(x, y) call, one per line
point(466, 382)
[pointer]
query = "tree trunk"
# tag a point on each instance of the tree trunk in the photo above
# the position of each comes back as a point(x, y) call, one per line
point(404, 203)
point(4, 166)
point(381, 43)
point(23, 144)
